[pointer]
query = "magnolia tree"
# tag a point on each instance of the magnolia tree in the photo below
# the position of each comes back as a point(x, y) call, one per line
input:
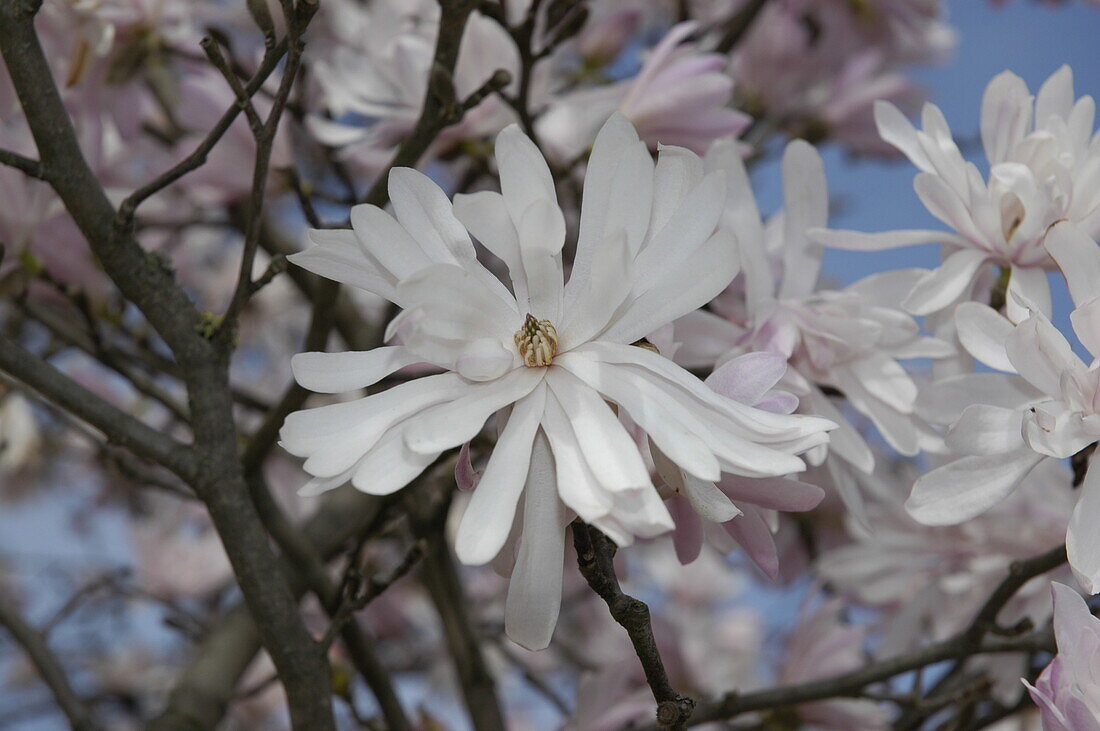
point(431, 364)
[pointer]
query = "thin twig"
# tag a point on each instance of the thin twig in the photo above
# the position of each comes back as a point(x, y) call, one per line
point(595, 559)
point(34, 644)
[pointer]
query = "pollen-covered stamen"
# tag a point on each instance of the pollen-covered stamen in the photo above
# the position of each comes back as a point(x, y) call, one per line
point(537, 342)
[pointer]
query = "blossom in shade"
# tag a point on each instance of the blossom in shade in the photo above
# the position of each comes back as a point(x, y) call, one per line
point(679, 97)
point(1044, 167)
point(849, 340)
point(546, 354)
point(1008, 424)
point(823, 646)
point(374, 72)
point(930, 582)
point(1068, 690)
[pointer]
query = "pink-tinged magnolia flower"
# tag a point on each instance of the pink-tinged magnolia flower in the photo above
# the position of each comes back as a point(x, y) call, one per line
point(1044, 167)
point(930, 582)
point(550, 354)
point(679, 97)
point(816, 68)
point(850, 340)
point(742, 510)
point(822, 646)
point(1007, 425)
point(1068, 691)
point(377, 64)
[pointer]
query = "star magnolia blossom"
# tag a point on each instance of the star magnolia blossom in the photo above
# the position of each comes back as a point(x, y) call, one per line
point(1008, 425)
point(680, 96)
point(1068, 690)
point(378, 63)
point(1044, 166)
point(549, 355)
point(849, 339)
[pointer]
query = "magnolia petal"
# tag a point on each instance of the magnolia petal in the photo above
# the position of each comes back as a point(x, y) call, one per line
point(987, 430)
point(423, 209)
point(534, 590)
point(1006, 115)
point(860, 241)
point(608, 448)
point(898, 131)
point(1082, 538)
point(485, 359)
point(1078, 256)
point(339, 372)
point(707, 500)
point(749, 377)
point(942, 286)
point(983, 332)
point(450, 424)
point(773, 493)
point(487, 521)
point(805, 206)
point(967, 487)
point(752, 533)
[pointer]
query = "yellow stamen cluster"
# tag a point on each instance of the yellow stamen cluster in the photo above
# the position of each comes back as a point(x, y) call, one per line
point(537, 342)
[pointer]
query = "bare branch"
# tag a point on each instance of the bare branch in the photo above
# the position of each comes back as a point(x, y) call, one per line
point(34, 644)
point(119, 427)
point(595, 559)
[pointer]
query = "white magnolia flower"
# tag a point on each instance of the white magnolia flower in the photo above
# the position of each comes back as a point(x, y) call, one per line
point(377, 64)
point(850, 339)
point(1068, 690)
point(1044, 166)
point(1003, 426)
point(20, 440)
point(680, 96)
point(550, 355)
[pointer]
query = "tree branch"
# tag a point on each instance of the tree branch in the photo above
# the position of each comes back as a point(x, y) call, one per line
point(438, 573)
point(595, 559)
point(119, 427)
point(34, 644)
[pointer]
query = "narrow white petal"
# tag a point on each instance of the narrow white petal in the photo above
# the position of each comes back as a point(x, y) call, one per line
point(860, 241)
point(1040, 353)
point(943, 286)
point(541, 234)
point(339, 372)
point(1006, 115)
point(608, 448)
point(534, 590)
point(388, 241)
point(710, 502)
point(486, 217)
point(424, 211)
point(450, 424)
point(1083, 538)
point(338, 255)
point(987, 430)
point(984, 332)
point(524, 175)
point(389, 466)
point(688, 286)
point(578, 487)
point(1078, 256)
point(1030, 285)
point(805, 206)
point(488, 518)
point(969, 486)
point(895, 129)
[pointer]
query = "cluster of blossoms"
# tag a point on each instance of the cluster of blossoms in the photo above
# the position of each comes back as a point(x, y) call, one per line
point(574, 300)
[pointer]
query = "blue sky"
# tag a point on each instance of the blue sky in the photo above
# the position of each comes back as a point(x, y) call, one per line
point(1031, 39)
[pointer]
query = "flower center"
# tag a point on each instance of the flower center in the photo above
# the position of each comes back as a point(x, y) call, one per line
point(537, 342)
